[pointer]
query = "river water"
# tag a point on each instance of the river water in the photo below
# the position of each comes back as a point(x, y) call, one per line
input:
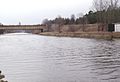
point(35, 58)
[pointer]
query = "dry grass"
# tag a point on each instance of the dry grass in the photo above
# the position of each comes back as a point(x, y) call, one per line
point(98, 35)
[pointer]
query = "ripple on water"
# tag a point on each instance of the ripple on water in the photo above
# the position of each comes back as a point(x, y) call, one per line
point(36, 58)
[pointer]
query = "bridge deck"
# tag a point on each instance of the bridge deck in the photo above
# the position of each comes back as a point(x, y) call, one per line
point(22, 27)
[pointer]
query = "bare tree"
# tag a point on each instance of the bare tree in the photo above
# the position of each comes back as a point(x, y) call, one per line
point(99, 6)
point(48, 23)
point(112, 7)
point(45, 21)
point(72, 19)
point(105, 11)
point(60, 21)
point(114, 3)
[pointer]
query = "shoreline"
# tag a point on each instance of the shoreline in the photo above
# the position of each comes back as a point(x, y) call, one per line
point(96, 35)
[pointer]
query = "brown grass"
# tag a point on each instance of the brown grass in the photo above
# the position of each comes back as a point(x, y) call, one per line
point(97, 35)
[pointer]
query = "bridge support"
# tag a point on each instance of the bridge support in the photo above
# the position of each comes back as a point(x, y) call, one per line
point(37, 31)
point(2, 31)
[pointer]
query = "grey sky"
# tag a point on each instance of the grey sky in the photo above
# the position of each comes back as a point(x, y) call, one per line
point(34, 11)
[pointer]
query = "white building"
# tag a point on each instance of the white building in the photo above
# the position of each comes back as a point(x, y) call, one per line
point(117, 27)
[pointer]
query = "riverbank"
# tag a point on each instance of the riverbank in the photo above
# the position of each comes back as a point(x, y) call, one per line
point(97, 35)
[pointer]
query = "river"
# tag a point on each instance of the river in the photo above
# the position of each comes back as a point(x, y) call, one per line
point(35, 58)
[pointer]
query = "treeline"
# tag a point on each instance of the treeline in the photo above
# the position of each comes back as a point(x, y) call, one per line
point(65, 21)
point(105, 12)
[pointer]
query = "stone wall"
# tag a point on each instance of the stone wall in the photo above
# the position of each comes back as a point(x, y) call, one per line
point(76, 28)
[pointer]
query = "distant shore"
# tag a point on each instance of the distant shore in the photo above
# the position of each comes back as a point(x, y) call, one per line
point(96, 35)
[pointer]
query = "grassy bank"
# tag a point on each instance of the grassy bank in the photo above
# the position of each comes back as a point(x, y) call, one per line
point(97, 35)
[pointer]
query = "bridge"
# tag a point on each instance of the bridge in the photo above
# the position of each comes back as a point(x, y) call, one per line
point(26, 28)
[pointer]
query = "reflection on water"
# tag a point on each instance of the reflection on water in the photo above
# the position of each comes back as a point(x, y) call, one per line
point(34, 58)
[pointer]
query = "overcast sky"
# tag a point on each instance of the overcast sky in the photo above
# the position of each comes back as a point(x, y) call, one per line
point(34, 11)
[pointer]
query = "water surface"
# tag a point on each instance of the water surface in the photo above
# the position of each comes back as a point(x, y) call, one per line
point(35, 58)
